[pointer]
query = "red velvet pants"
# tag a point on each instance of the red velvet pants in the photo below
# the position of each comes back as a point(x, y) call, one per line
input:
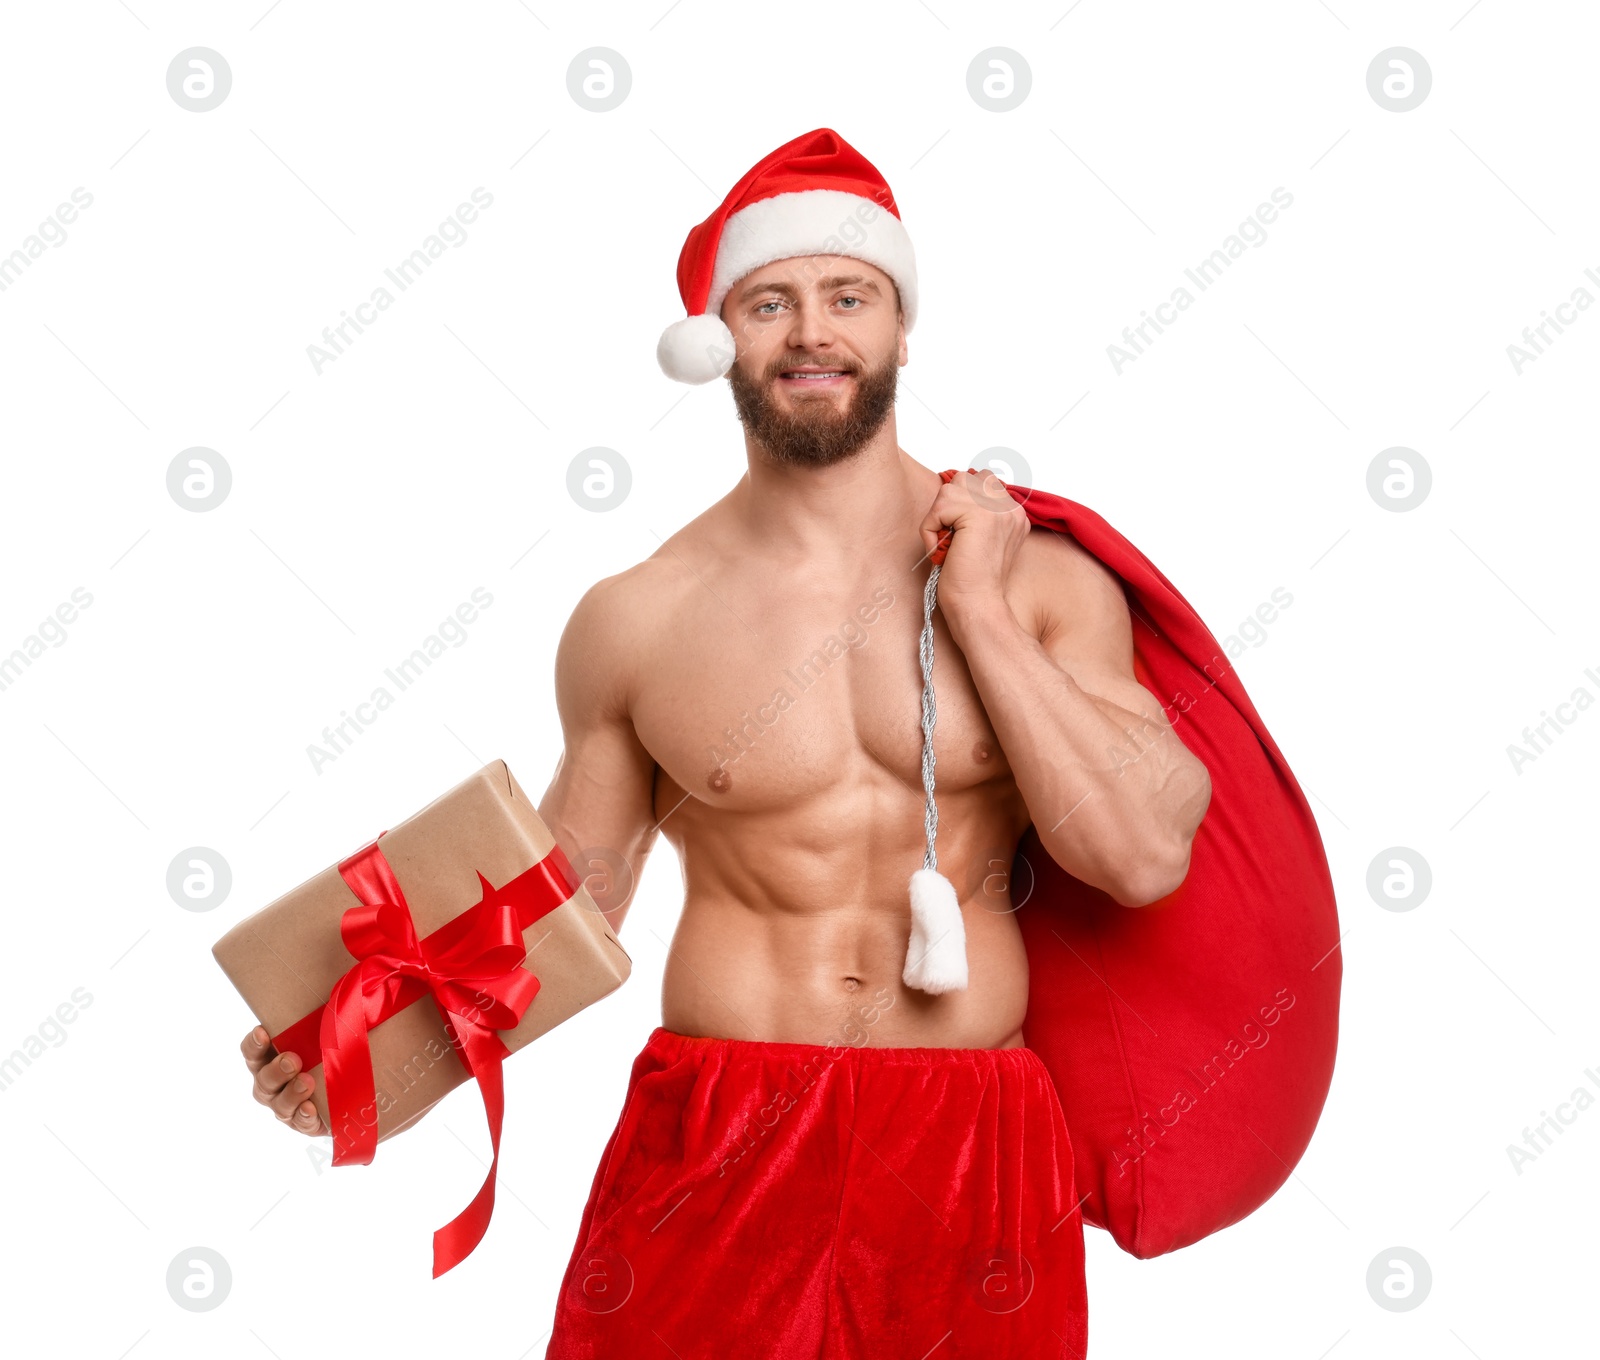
point(777, 1201)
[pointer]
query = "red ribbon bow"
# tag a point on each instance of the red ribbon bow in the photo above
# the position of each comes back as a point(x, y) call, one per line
point(470, 966)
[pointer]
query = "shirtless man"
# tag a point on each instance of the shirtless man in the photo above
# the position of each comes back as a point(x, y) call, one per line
point(697, 700)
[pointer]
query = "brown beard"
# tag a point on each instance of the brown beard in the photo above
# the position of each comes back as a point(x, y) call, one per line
point(820, 430)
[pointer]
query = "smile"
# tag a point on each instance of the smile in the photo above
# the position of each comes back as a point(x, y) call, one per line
point(824, 377)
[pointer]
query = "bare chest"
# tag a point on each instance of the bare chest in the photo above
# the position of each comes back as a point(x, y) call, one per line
point(769, 697)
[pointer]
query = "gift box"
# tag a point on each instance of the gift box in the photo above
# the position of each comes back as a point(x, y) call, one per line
point(421, 961)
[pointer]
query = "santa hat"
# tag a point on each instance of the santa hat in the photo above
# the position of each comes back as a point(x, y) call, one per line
point(818, 195)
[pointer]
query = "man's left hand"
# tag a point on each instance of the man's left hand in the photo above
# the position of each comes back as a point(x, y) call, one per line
point(989, 530)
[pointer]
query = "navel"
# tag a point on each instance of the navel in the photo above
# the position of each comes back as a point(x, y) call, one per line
point(719, 781)
point(851, 983)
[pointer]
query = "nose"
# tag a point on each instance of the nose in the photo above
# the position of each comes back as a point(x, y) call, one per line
point(810, 326)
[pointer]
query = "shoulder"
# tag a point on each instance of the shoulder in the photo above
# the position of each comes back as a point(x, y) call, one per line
point(1080, 612)
point(1063, 584)
point(621, 619)
point(618, 614)
point(615, 607)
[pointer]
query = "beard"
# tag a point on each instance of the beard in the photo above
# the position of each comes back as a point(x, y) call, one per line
point(814, 429)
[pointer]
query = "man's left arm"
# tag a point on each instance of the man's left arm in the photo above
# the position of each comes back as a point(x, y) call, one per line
point(1115, 795)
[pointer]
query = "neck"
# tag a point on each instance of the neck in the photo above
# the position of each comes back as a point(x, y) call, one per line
point(877, 496)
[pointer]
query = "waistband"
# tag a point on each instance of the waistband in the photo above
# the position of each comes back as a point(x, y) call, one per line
point(671, 1044)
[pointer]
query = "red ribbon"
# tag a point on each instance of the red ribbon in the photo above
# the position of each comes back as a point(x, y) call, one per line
point(470, 966)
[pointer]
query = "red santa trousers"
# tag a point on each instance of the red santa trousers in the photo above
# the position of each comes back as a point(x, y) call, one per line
point(819, 1202)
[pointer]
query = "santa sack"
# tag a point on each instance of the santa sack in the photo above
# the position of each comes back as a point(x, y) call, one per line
point(1191, 1040)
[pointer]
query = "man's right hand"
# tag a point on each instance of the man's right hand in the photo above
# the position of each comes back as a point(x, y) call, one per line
point(280, 1084)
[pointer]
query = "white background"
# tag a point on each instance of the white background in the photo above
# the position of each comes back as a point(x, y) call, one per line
point(430, 458)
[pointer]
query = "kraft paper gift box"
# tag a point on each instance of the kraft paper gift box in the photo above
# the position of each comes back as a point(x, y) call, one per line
point(479, 856)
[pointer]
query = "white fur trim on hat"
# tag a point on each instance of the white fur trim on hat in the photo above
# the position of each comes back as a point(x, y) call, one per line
point(696, 349)
point(815, 222)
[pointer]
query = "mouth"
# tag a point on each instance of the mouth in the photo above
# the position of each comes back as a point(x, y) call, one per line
point(814, 377)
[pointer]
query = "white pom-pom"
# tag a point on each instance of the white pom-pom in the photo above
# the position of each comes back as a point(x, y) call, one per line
point(936, 958)
point(696, 349)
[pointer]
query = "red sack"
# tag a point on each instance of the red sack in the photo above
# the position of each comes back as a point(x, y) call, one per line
point(1191, 1040)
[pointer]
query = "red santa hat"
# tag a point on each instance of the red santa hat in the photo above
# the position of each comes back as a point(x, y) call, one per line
point(816, 195)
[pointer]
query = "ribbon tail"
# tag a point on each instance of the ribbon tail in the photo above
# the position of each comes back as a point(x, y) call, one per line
point(347, 1074)
point(483, 1052)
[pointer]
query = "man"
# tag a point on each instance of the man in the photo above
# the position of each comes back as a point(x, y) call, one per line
point(815, 1157)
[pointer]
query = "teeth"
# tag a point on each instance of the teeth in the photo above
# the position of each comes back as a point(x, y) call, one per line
point(834, 374)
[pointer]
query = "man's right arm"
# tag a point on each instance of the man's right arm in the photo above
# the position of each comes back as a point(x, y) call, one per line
point(600, 800)
point(600, 804)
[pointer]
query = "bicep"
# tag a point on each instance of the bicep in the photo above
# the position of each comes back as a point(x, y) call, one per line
point(1086, 628)
point(599, 805)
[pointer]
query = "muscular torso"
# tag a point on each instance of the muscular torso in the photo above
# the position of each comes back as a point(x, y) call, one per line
point(782, 710)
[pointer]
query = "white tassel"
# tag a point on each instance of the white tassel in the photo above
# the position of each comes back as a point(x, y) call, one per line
point(936, 957)
point(936, 960)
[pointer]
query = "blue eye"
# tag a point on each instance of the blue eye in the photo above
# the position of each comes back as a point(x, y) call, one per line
point(761, 307)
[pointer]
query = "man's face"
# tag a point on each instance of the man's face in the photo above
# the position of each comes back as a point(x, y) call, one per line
point(820, 315)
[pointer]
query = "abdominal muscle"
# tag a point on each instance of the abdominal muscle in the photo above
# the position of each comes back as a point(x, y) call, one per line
point(805, 943)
